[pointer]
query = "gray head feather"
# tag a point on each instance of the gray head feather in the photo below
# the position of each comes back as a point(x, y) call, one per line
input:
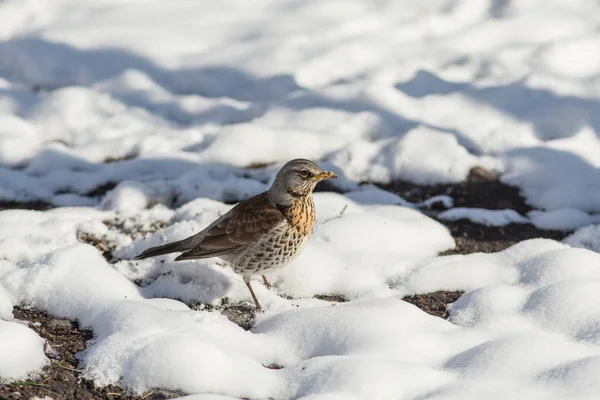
point(295, 179)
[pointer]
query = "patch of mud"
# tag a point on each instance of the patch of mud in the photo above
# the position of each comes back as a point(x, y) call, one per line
point(482, 189)
point(29, 205)
point(434, 303)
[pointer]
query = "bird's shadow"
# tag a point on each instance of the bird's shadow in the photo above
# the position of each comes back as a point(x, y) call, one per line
point(191, 282)
point(202, 285)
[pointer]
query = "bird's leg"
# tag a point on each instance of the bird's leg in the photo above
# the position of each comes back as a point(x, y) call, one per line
point(267, 283)
point(247, 282)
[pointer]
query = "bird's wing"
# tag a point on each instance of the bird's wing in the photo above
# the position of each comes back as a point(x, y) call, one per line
point(236, 229)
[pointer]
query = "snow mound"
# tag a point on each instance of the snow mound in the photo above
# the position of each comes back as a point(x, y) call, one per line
point(6, 305)
point(370, 254)
point(381, 98)
point(484, 217)
point(21, 349)
point(562, 219)
point(587, 238)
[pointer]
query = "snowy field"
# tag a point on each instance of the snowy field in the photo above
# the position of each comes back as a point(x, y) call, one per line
point(135, 122)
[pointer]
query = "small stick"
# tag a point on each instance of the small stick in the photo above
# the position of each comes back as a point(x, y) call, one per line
point(337, 216)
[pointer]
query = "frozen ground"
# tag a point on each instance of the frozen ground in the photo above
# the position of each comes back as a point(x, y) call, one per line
point(137, 120)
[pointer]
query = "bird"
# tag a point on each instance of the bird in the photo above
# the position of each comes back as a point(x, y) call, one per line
point(263, 233)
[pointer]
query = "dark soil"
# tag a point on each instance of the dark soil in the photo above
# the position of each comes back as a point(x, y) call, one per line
point(434, 303)
point(31, 205)
point(101, 190)
point(334, 298)
point(243, 315)
point(482, 189)
point(100, 243)
point(474, 238)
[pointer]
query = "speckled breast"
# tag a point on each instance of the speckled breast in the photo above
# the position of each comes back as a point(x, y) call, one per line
point(280, 245)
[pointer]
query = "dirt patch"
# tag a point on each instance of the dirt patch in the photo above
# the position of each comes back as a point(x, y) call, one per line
point(135, 230)
point(482, 189)
point(243, 315)
point(104, 246)
point(60, 379)
point(474, 238)
point(333, 298)
point(127, 157)
point(28, 205)
point(434, 303)
point(101, 190)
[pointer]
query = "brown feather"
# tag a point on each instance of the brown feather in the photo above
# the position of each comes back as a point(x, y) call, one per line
point(248, 220)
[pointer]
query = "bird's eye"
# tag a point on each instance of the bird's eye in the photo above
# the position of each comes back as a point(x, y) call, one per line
point(304, 173)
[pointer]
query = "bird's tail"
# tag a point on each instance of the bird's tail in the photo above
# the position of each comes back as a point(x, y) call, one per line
point(181, 245)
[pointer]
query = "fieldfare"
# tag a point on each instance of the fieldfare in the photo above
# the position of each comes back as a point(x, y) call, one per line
point(263, 233)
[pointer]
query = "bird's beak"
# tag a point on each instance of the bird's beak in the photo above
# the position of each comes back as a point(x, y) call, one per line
point(324, 176)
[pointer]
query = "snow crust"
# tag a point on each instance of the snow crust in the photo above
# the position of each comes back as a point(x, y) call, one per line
point(21, 349)
point(483, 216)
point(587, 237)
point(562, 219)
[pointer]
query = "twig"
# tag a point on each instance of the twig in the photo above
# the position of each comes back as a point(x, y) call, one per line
point(337, 216)
point(29, 383)
point(66, 367)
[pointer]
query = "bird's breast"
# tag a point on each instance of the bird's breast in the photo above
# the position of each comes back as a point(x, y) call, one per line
point(301, 215)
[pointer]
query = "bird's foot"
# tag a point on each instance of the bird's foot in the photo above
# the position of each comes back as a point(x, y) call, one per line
point(266, 282)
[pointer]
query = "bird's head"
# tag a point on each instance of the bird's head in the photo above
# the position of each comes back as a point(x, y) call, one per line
point(295, 179)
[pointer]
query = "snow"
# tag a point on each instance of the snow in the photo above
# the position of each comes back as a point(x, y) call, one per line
point(371, 194)
point(587, 237)
point(411, 157)
point(21, 349)
point(424, 97)
point(562, 219)
point(142, 338)
point(483, 216)
point(142, 121)
point(6, 305)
